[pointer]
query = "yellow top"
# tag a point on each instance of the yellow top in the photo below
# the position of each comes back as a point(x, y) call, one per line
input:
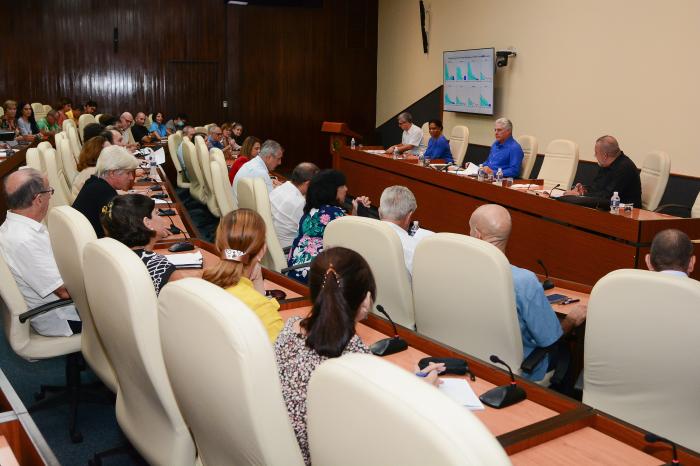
point(266, 309)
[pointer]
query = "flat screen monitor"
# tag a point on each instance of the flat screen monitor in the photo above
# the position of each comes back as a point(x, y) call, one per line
point(468, 81)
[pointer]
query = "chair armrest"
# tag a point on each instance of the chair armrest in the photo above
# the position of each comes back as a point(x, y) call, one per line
point(23, 317)
point(295, 267)
point(664, 207)
point(536, 356)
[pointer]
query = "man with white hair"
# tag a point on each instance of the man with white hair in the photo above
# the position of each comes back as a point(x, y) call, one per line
point(124, 123)
point(269, 158)
point(411, 138)
point(26, 248)
point(116, 169)
point(506, 153)
point(396, 207)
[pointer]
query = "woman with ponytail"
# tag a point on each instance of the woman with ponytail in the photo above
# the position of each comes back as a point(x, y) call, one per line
point(240, 240)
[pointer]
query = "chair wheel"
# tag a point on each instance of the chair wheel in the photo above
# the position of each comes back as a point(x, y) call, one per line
point(76, 437)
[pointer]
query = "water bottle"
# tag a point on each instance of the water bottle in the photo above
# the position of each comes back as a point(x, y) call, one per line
point(421, 159)
point(615, 203)
point(499, 176)
point(396, 152)
point(481, 174)
point(152, 162)
point(414, 228)
point(352, 143)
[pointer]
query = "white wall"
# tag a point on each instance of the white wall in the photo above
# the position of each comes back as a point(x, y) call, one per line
point(584, 69)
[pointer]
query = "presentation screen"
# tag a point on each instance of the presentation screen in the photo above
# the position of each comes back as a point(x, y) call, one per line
point(468, 81)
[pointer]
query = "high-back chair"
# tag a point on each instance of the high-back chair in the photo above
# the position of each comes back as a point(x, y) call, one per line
point(39, 112)
point(200, 129)
point(70, 167)
point(126, 317)
point(639, 326)
point(425, 426)
point(222, 369)
point(75, 145)
point(529, 146)
point(426, 133)
point(66, 123)
point(695, 209)
point(222, 187)
point(62, 193)
point(252, 194)
point(174, 141)
point(560, 164)
point(381, 247)
point(47, 108)
point(149, 120)
point(97, 118)
point(84, 120)
point(654, 177)
point(204, 163)
point(459, 141)
point(197, 188)
point(70, 231)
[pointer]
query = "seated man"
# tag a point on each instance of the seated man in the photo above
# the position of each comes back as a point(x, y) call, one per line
point(287, 203)
point(139, 130)
point(671, 253)
point(90, 107)
point(115, 170)
point(176, 124)
point(26, 248)
point(123, 125)
point(396, 208)
point(616, 172)
point(539, 325)
point(412, 137)
point(214, 137)
point(269, 158)
point(48, 126)
point(94, 129)
point(75, 114)
point(506, 153)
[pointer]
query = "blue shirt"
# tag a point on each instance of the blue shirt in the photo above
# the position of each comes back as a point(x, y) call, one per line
point(439, 149)
point(539, 325)
point(213, 143)
point(158, 128)
point(508, 156)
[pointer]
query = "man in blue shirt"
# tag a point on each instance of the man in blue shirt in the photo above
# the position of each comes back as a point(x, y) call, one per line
point(539, 325)
point(505, 153)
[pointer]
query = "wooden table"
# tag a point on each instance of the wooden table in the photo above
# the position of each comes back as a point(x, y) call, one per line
point(574, 242)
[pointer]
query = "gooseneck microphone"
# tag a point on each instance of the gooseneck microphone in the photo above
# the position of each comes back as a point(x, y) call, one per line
point(391, 345)
point(552, 190)
point(547, 284)
point(505, 395)
point(653, 438)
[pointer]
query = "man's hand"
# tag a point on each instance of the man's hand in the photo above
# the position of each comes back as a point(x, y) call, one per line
point(488, 170)
point(276, 182)
point(364, 200)
point(574, 318)
point(430, 372)
point(577, 190)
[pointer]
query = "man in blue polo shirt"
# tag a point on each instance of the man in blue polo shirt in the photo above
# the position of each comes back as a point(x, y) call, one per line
point(505, 153)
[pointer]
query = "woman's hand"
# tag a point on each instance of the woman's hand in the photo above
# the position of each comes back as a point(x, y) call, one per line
point(364, 200)
point(430, 372)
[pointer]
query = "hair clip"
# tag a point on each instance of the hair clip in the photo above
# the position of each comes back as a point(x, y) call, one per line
point(107, 210)
point(331, 270)
point(233, 255)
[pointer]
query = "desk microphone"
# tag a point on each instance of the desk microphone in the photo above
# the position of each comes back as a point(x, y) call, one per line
point(547, 284)
point(447, 166)
point(391, 345)
point(505, 395)
point(653, 438)
point(552, 190)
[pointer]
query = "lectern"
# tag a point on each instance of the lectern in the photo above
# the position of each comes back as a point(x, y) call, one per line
point(339, 133)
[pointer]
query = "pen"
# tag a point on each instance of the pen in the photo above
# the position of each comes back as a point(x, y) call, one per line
point(571, 301)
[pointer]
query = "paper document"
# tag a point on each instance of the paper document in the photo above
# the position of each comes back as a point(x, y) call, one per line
point(159, 156)
point(471, 169)
point(186, 260)
point(161, 201)
point(527, 187)
point(461, 392)
point(375, 152)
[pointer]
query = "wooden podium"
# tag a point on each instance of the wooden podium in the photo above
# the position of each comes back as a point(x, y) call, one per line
point(339, 133)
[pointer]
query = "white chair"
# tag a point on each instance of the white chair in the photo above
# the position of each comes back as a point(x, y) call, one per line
point(204, 163)
point(459, 141)
point(70, 167)
point(174, 141)
point(66, 123)
point(149, 120)
point(197, 188)
point(426, 133)
point(654, 177)
point(424, 426)
point(252, 194)
point(560, 164)
point(200, 129)
point(126, 318)
point(529, 146)
point(381, 248)
point(47, 108)
point(39, 112)
point(47, 166)
point(695, 210)
point(2, 111)
point(219, 178)
point(84, 120)
point(70, 231)
point(640, 352)
point(62, 193)
point(224, 376)
point(97, 118)
point(75, 145)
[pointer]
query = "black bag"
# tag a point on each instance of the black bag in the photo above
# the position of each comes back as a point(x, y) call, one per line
point(452, 366)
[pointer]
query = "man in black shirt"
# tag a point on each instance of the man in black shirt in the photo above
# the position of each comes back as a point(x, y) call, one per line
point(617, 173)
point(139, 130)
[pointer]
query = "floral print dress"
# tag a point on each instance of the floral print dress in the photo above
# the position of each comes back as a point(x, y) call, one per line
point(309, 241)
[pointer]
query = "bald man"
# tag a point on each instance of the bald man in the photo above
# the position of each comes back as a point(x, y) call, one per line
point(26, 248)
point(671, 253)
point(123, 125)
point(539, 325)
point(139, 130)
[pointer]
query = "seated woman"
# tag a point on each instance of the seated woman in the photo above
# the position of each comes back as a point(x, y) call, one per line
point(249, 150)
point(236, 131)
point(326, 193)
point(157, 128)
point(48, 126)
point(240, 238)
point(28, 129)
point(133, 219)
point(438, 147)
point(227, 141)
point(87, 162)
point(64, 108)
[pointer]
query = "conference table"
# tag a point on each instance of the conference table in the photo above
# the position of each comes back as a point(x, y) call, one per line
point(575, 243)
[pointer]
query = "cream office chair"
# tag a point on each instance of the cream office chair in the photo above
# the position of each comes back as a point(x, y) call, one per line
point(47, 108)
point(560, 164)
point(70, 231)
point(459, 141)
point(66, 123)
point(39, 112)
point(2, 111)
point(70, 167)
point(75, 145)
point(197, 189)
point(149, 120)
point(126, 318)
point(43, 147)
point(222, 187)
point(225, 377)
point(640, 365)
point(381, 248)
point(252, 194)
point(529, 146)
point(654, 177)
point(62, 193)
point(695, 210)
point(200, 129)
point(174, 141)
point(425, 426)
point(84, 120)
point(426, 133)
point(205, 164)
point(97, 118)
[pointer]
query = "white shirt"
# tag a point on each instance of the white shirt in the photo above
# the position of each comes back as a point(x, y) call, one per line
point(675, 273)
point(287, 204)
point(409, 243)
point(255, 168)
point(414, 137)
point(26, 248)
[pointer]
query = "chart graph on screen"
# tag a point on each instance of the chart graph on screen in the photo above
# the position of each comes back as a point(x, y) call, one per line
point(468, 81)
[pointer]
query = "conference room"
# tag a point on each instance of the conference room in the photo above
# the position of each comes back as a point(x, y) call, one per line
point(522, 300)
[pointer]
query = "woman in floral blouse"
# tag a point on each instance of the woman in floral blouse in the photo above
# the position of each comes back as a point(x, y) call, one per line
point(324, 197)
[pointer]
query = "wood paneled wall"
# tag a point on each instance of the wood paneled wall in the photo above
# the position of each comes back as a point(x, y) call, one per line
point(283, 70)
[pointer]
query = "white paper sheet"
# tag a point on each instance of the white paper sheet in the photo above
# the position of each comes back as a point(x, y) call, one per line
point(159, 156)
point(186, 259)
point(461, 392)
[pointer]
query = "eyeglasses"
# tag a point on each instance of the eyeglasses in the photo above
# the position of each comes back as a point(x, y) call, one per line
point(50, 190)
